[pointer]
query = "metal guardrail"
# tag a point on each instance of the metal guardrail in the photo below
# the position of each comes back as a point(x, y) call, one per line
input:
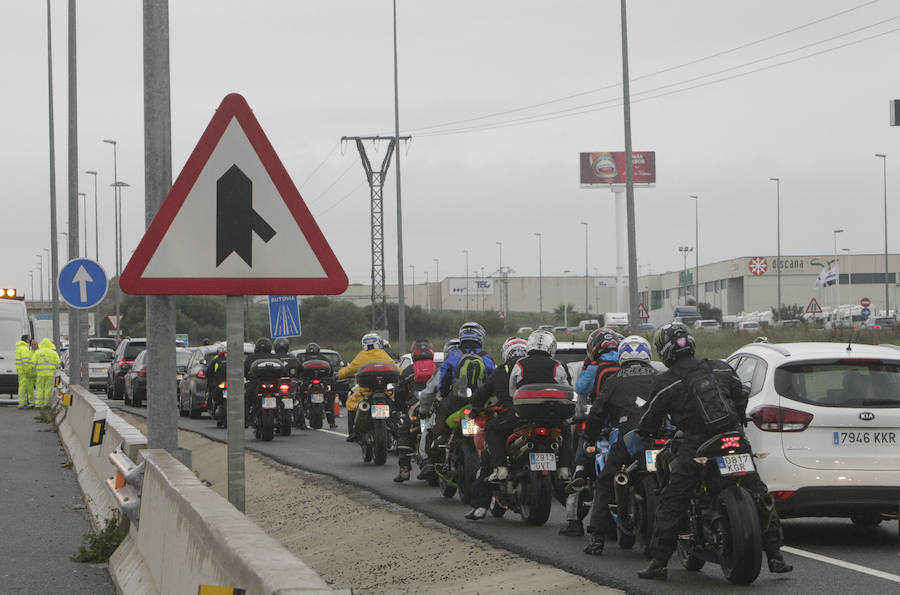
point(126, 484)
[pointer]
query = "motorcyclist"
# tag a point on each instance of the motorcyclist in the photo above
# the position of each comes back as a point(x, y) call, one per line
point(620, 404)
point(498, 428)
point(601, 362)
point(413, 378)
point(292, 370)
point(314, 352)
point(539, 367)
point(428, 397)
point(216, 373)
point(671, 394)
point(262, 349)
point(477, 365)
point(372, 352)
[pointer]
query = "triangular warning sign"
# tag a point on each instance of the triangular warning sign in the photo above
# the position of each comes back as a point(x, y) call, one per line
point(642, 312)
point(813, 307)
point(114, 321)
point(233, 223)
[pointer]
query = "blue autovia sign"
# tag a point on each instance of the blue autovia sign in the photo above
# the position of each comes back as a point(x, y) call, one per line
point(82, 283)
point(865, 312)
point(284, 316)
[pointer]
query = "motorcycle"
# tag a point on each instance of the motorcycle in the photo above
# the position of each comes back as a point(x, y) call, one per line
point(267, 402)
point(373, 412)
point(532, 451)
point(219, 400)
point(422, 436)
point(723, 517)
point(286, 389)
point(456, 474)
point(315, 388)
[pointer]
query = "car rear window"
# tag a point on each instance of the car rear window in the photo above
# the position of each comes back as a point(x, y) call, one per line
point(101, 356)
point(841, 384)
point(182, 358)
point(567, 357)
point(133, 349)
point(333, 358)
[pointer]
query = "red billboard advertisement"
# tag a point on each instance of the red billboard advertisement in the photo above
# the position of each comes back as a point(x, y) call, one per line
point(609, 167)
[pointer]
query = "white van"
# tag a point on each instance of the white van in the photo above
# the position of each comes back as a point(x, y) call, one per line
point(615, 320)
point(13, 324)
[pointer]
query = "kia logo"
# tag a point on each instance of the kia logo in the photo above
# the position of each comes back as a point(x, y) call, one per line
point(867, 416)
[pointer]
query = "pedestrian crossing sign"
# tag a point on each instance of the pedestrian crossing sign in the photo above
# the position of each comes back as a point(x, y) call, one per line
point(284, 316)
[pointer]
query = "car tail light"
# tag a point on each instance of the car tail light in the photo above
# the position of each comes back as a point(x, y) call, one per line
point(770, 418)
point(782, 494)
point(284, 388)
point(541, 432)
point(201, 374)
point(122, 364)
point(143, 373)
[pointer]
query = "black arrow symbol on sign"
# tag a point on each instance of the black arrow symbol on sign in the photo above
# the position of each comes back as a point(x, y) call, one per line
point(235, 218)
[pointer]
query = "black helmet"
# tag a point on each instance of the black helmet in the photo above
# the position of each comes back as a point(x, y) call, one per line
point(313, 349)
point(263, 345)
point(672, 341)
point(422, 349)
point(206, 341)
point(282, 344)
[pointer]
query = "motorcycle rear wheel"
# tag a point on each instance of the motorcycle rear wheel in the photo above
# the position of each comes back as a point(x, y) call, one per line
point(366, 453)
point(379, 451)
point(267, 426)
point(285, 426)
point(741, 554)
point(315, 416)
point(535, 498)
point(467, 471)
point(645, 512)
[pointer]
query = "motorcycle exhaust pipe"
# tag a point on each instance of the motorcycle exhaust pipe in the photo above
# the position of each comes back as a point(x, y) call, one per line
point(363, 406)
point(554, 446)
point(621, 478)
point(768, 502)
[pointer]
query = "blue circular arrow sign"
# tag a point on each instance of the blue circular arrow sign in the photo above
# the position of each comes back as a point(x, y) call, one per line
point(865, 312)
point(82, 283)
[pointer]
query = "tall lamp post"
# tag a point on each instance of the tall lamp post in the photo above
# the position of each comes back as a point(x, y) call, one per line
point(466, 252)
point(837, 278)
point(502, 307)
point(96, 219)
point(849, 288)
point(119, 264)
point(778, 234)
point(49, 273)
point(566, 298)
point(437, 279)
point(685, 250)
point(586, 308)
point(696, 249)
point(413, 281)
point(540, 275)
point(84, 218)
point(40, 266)
point(887, 307)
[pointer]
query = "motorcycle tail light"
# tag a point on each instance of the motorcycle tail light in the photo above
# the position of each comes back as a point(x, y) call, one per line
point(730, 442)
point(143, 373)
point(541, 432)
point(316, 381)
point(201, 374)
point(467, 411)
point(223, 385)
point(660, 441)
point(284, 388)
point(782, 494)
point(770, 418)
point(582, 426)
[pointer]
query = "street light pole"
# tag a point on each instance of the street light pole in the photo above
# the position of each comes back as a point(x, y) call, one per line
point(586, 308)
point(96, 221)
point(437, 278)
point(778, 234)
point(413, 282)
point(887, 308)
point(50, 280)
point(566, 298)
point(540, 275)
point(849, 287)
point(116, 227)
point(684, 252)
point(40, 265)
point(696, 249)
point(466, 252)
point(502, 306)
point(837, 278)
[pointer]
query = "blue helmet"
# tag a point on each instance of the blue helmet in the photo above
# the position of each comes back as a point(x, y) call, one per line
point(472, 331)
point(634, 349)
point(372, 341)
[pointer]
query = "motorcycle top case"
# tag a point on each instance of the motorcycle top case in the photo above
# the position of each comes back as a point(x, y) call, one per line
point(267, 369)
point(377, 376)
point(316, 368)
point(545, 402)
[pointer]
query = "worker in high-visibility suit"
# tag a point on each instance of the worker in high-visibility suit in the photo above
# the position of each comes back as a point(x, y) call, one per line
point(372, 352)
point(25, 371)
point(45, 361)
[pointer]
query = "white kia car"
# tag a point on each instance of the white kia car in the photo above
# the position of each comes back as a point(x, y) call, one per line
point(827, 415)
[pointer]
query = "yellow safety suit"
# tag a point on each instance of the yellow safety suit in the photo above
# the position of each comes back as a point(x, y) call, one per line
point(25, 370)
point(367, 356)
point(45, 361)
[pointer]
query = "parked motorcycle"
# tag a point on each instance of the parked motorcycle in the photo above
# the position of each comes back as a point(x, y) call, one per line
point(532, 451)
point(373, 412)
point(723, 518)
point(315, 389)
point(267, 401)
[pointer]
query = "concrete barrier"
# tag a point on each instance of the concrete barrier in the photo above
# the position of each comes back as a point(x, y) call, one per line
point(188, 535)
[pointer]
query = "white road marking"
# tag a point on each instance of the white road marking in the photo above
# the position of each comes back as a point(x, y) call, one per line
point(333, 432)
point(848, 565)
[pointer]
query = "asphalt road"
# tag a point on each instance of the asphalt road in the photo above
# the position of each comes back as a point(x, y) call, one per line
point(829, 555)
point(44, 518)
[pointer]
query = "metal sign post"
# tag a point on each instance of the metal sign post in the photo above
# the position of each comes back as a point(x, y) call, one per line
point(234, 374)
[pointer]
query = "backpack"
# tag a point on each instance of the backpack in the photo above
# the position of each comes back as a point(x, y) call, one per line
point(423, 370)
point(717, 412)
point(471, 373)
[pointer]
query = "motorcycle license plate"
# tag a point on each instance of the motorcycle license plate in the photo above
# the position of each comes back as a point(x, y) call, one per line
point(224, 394)
point(269, 403)
point(469, 427)
point(650, 459)
point(179, 376)
point(381, 411)
point(542, 461)
point(730, 464)
point(317, 398)
point(288, 403)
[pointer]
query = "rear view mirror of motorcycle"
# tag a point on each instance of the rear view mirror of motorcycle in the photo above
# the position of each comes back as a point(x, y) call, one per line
point(391, 386)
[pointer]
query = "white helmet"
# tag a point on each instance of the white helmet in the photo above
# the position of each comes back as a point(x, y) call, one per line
point(542, 341)
point(372, 341)
point(634, 349)
point(513, 347)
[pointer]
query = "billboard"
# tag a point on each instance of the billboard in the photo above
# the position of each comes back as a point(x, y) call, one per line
point(477, 286)
point(609, 167)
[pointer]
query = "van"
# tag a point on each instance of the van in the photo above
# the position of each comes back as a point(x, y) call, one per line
point(686, 314)
point(616, 320)
point(13, 324)
point(586, 326)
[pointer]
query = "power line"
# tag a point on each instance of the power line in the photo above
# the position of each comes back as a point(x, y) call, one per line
point(330, 186)
point(342, 199)
point(327, 157)
point(584, 109)
point(651, 74)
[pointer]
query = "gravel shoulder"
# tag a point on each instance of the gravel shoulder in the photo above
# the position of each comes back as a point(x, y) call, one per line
point(353, 538)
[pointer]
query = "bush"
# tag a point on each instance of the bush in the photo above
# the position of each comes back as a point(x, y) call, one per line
point(99, 546)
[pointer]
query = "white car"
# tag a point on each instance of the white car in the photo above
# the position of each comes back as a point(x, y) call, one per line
point(707, 325)
point(827, 417)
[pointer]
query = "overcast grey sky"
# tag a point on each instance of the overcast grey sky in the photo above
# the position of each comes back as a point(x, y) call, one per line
point(316, 70)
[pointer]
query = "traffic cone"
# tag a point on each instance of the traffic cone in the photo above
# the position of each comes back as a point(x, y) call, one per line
point(337, 407)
